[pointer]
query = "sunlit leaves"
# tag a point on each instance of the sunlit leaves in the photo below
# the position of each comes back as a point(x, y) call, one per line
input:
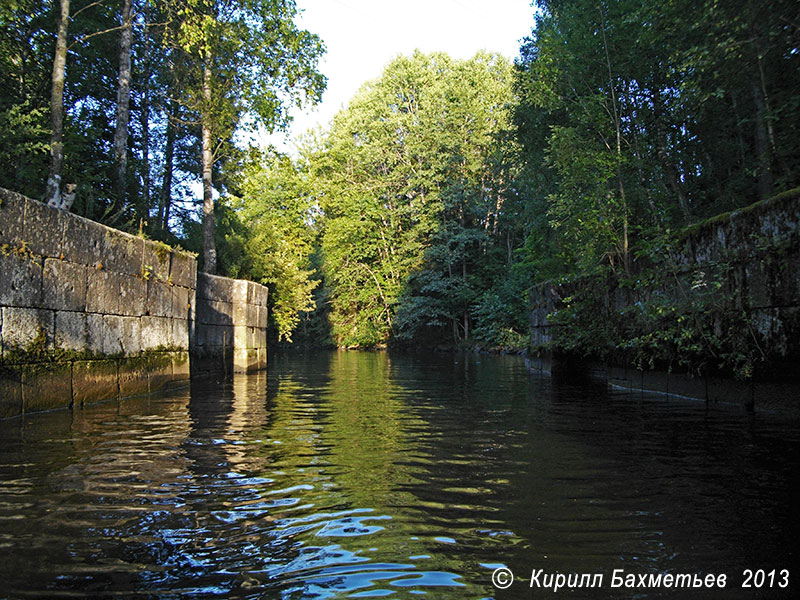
point(413, 155)
point(269, 236)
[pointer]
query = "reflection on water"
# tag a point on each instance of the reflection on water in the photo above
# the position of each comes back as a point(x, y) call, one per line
point(375, 475)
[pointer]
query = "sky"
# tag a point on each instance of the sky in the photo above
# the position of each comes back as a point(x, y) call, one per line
point(363, 36)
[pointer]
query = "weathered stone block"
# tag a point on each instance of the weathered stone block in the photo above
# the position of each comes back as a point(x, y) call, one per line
point(155, 332)
point(262, 292)
point(159, 371)
point(70, 330)
point(191, 279)
point(213, 312)
point(63, 285)
point(94, 381)
point(262, 317)
point(43, 229)
point(763, 321)
point(75, 239)
point(261, 337)
point(156, 260)
point(252, 337)
point(240, 293)
point(132, 294)
point(131, 335)
point(245, 360)
point(262, 358)
point(782, 274)
point(95, 332)
point(180, 302)
point(242, 337)
point(12, 218)
point(133, 377)
point(10, 391)
point(21, 326)
point(218, 335)
point(180, 333)
point(183, 269)
point(122, 252)
point(46, 386)
point(159, 299)
point(198, 336)
point(214, 287)
point(95, 246)
point(20, 280)
point(180, 366)
point(102, 292)
point(112, 335)
point(251, 316)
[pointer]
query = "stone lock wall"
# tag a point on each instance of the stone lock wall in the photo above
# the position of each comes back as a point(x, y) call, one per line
point(761, 247)
point(89, 313)
point(231, 328)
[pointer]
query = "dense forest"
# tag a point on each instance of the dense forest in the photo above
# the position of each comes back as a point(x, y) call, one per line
point(446, 188)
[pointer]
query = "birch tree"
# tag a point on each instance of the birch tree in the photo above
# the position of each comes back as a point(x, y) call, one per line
point(123, 100)
point(251, 64)
point(53, 192)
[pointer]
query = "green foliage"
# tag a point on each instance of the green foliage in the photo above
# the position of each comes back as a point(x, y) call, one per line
point(412, 180)
point(264, 234)
point(501, 315)
point(446, 187)
point(262, 65)
point(665, 318)
point(636, 117)
point(26, 54)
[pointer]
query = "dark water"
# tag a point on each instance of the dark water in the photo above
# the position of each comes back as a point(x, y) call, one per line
point(354, 475)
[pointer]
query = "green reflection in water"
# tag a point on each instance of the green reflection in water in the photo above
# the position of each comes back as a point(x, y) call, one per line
point(353, 474)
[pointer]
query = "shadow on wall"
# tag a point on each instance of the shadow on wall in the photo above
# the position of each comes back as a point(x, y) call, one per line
point(230, 326)
point(89, 313)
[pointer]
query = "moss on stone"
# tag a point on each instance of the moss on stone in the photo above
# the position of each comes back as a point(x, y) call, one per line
point(39, 352)
point(754, 208)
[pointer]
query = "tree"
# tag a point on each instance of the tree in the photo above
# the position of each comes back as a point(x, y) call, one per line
point(53, 192)
point(26, 63)
point(412, 193)
point(249, 61)
point(123, 100)
point(637, 117)
point(267, 234)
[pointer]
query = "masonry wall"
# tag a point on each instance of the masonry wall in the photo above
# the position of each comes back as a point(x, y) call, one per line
point(89, 313)
point(760, 249)
point(231, 331)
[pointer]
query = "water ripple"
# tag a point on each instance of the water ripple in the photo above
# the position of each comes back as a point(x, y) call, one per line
point(368, 475)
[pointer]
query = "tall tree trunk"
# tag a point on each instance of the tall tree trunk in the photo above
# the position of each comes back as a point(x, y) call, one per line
point(209, 244)
point(624, 249)
point(673, 181)
point(166, 183)
point(465, 316)
point(145, 118)
point(123, 102)
point(53, 192)
point(763, 157)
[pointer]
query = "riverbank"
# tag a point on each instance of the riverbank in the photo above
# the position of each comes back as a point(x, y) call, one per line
point(714, 313)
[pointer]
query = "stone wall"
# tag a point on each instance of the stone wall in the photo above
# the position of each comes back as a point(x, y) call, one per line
point(756, 253)
point(231, 330)
point(90, 313)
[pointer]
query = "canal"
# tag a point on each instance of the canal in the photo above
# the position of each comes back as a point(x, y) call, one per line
point(360, 475)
